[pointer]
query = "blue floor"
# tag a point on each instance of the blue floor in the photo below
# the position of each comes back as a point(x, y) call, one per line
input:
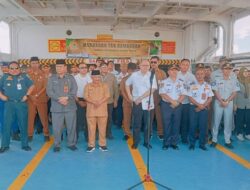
point(115, 170)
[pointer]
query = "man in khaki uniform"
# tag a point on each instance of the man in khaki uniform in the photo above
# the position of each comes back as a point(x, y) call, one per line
point(96, 94)
point(126, 104)
point(37, 100)
point(160, 75)
point(111, 81)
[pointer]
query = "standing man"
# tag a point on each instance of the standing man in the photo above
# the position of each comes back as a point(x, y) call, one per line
point(82, 79)
point(118, 111)
point(200, 96)
point(110, 80)
point(160, 75)
point(62, 90)
point(225, 90)
point(172, 93)
point(15, 88)
point(126, 103)
point(37, 101)
point(96, 94)
point(188, 79)
point(141, 83)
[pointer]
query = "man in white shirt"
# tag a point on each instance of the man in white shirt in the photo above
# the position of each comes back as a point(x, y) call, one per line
point(82, 79)
point(188, 79)
point(141, 83)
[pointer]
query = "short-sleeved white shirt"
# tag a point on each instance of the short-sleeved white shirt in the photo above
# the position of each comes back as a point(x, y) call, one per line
point(81, 82)
point(141, 84)
point(188, 79)
point(225, 87)
point(174, 89)
point(200, 92)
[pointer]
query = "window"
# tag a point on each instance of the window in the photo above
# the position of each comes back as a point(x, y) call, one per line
point(242, 35)
point(4, 38)
point(220, 38)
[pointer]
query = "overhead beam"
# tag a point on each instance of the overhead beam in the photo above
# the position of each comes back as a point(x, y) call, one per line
point(78, 10)
point(26, 9)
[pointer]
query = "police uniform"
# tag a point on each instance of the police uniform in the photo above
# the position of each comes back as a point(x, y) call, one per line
point(63, 87)
point(171, 116)
point(187, 79)
point(199, 118)
point(15, 88)
point(224, 88)
point(140, 84)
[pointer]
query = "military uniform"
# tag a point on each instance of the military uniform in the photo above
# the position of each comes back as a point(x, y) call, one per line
point(199, 118)
point(187, 79)
point(15, 88)
point(171, 116)
point(63, 87)
point(225, 88)
point(37, 102)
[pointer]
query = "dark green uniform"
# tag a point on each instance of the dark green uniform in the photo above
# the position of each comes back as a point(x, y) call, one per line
point(15, 88)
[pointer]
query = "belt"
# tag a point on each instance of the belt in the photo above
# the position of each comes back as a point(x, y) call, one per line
point(81, 99)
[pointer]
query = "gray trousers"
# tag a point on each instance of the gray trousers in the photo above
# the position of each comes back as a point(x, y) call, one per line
point(58, 120)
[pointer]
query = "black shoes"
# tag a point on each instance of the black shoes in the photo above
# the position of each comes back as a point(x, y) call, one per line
point(175, 147)
point(46, 138)
point(126, 137)
point(147, 145)
point(160, 137)
point(134, 146)
point(90, 149)
point(229, 145)
point(26, 148)
point(30, 138)
point(203, 147)
point(3, 149)
point(213, 144)
point(56, 149)
point(165, 147)
point(16, 137)
point(103, 148)
point(73, 147)
point(191, 147)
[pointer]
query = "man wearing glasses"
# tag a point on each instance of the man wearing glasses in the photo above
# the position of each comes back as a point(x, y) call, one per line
point(15, 88)
point(160, 75)
point(82, 79)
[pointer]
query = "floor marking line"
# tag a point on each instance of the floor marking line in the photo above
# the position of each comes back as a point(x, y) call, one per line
point(234, 156)
point(23, 177)
point(140, 166)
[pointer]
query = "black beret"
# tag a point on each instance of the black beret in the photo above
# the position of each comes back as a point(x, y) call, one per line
point(200, 65)
point(95, 72)
point(60, 62)
point(34, 59)
point(173, 66)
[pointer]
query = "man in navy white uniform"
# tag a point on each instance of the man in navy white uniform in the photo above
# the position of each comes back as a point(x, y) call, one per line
point(188, 79)
point(141, 82)
point(225, 90)
point(200, 97)
point(172, 92)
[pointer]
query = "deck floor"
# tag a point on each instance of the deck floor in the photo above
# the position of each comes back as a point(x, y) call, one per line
point(215, 169)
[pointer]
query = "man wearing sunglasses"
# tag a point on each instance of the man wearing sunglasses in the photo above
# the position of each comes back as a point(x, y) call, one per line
point(160, 76)
point(15, 88)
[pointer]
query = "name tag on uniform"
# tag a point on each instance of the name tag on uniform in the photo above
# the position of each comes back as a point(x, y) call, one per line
point(66, 89)
point(19, 86)
point(203, 96)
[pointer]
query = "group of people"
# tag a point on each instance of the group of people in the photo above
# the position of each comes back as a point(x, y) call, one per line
point(182, 105)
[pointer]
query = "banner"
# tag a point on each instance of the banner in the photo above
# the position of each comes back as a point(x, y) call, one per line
point(57, 46)
point(168, 47)
point(107, 48)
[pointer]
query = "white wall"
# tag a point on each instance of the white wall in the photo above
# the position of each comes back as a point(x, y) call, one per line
point(196, 37)
point(5, 57)
point(32, 40)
